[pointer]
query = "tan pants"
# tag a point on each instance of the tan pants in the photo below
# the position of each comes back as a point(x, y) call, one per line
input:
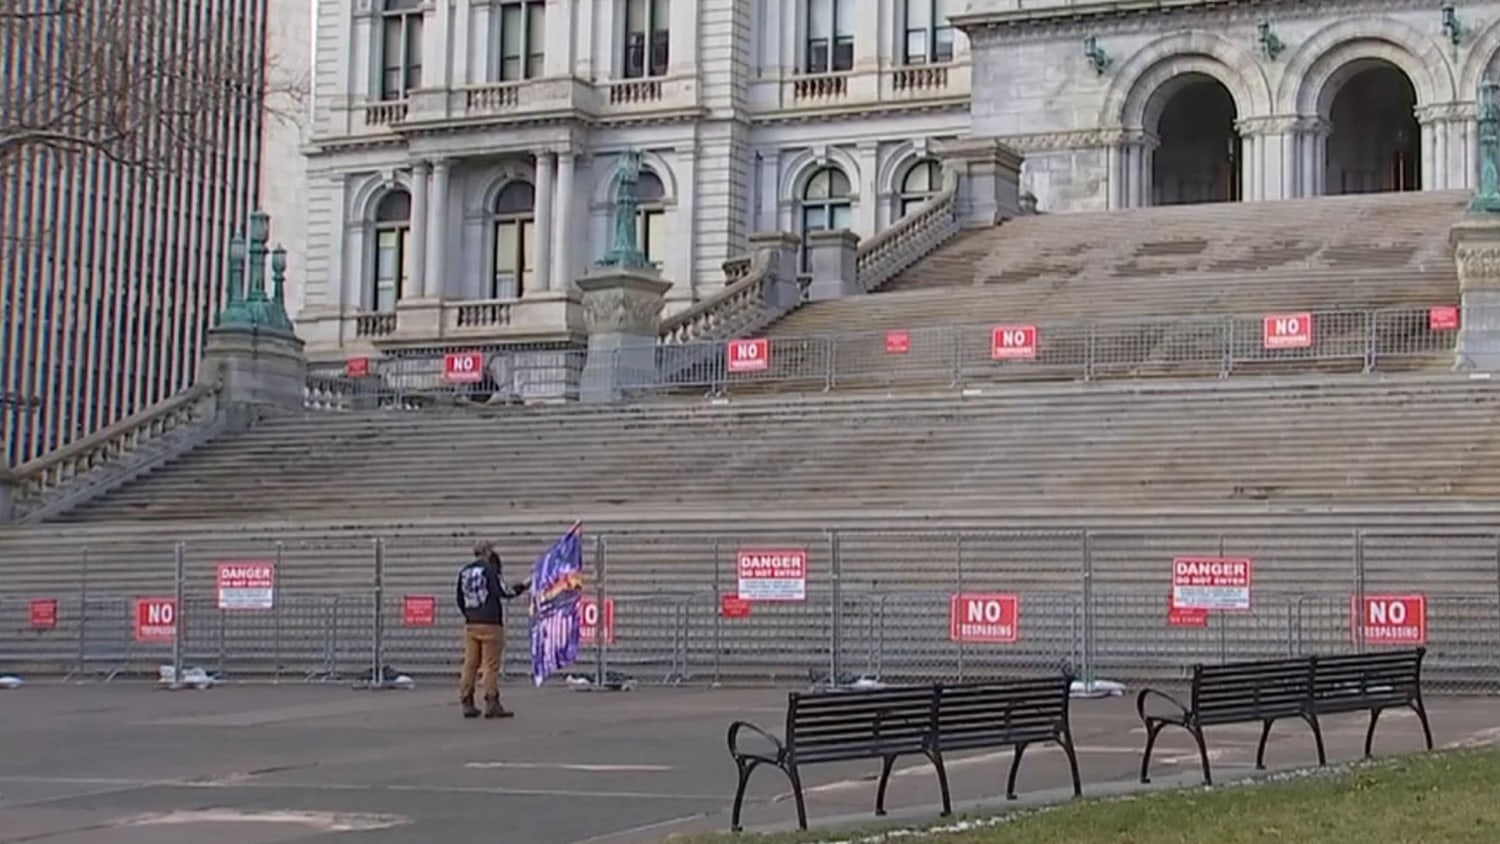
point(483, 646)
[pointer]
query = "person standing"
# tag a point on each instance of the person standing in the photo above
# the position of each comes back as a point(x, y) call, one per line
point(480, 591)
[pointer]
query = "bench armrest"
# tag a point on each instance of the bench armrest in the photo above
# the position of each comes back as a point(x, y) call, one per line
point(1140, 706)
point(734, 743)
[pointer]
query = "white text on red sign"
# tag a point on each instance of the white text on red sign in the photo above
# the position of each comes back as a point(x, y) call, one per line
point(1013, 341)
point(1393, 619)
point(748, 355)
point(463, 367)
point(1287, 331)
point(984, 618)
point(1210, 571)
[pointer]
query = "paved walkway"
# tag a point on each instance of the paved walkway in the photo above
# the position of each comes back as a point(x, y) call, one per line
point(257, 764)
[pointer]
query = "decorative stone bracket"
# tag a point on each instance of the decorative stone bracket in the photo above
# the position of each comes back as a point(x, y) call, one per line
point(1476, 250)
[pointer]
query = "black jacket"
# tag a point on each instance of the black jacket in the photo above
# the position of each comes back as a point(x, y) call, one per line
point(479, 591)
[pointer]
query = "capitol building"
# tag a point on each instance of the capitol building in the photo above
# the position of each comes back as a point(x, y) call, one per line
point(464, 153)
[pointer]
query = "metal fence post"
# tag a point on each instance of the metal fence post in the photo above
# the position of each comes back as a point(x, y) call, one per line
point(1088, 608)
point(83, 615)
point(1090, 350)
point(1223, 625)
point(1226, 365)
point(276, 598)
point(830, 364)
point(958, 569)
point(958, 357)
point(718, 617)
point(179, 621)
point(601, 594)
point(377, 625)
point(1356, 611)
point(1372, 341)
point(836, 610)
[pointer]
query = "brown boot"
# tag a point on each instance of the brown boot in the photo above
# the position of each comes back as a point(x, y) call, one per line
point(493, 709)
point(470, 710)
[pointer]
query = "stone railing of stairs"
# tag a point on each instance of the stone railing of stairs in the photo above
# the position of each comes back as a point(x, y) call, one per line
point(83, 470)
point(751, 301)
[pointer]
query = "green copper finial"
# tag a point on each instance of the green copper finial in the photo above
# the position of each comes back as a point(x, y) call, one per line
point(278, 275)
point(247, 305)
point(624, 251)
point(1487, 114)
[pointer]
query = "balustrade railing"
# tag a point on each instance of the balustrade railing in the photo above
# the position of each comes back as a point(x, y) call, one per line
point(34, 484)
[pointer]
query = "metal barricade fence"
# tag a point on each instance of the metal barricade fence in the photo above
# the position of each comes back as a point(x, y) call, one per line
point(886, 605)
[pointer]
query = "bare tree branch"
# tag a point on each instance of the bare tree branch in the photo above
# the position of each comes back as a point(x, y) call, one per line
point(143, 83)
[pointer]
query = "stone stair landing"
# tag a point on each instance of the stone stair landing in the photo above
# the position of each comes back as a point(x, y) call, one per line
point(1365, 252)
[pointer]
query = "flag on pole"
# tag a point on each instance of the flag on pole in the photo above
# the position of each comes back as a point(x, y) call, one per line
point(556, 611)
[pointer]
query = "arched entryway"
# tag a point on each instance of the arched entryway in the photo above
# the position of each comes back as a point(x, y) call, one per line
point(1374, 145)
point(1198, 159)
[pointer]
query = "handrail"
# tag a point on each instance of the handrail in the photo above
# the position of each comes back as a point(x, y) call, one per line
point(672, 328)
point(939, 207)
point(31, 474)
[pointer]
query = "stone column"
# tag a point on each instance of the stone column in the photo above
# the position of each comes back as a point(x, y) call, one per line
point(463, 14)
point(622, 314)
point(1289, 163)
point(1427, 161)
point(438, 240)
point(1249, 167)
point(541, 273)
point(1134, 190)
point(1115, 159)
point(1476, 250)
point(562, 224)
point(833, 259)
point(418, 257)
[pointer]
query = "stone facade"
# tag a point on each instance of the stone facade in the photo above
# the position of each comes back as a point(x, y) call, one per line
point(1090, 127)
point(733, 123)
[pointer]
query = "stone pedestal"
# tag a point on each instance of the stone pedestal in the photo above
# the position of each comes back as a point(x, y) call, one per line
point(419, 319)
point(258, 368)
point(781, 248)
point(622, 314)
point(989, 187)
point(833, 259)
point(1476, 251)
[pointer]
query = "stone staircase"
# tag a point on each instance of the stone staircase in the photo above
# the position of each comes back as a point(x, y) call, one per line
point(1300, 440)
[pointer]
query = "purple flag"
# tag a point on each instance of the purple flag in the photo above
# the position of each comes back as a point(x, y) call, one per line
point(556, 613)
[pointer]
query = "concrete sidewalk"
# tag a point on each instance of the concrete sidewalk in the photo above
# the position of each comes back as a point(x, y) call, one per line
point(259, 764)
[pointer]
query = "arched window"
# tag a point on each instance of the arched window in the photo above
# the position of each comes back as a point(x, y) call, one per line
point(825, 204)
point(922, 181)
point(392, 250)
point(515, 222)
point(652, 228)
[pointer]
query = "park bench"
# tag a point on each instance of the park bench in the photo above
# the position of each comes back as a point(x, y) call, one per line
point(925, 720)
point(1304, 688)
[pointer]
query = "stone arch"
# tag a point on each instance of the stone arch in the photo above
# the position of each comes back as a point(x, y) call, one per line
point(1306, 89)
point(802, 166)
point(495, 179)
point(368, 192)
point(898, 160)
point(1482, 55)
point(1137, 87)
point(603, 193)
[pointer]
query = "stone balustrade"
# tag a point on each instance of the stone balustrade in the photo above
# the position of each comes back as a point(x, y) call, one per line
point(912, 237)
point(32, 486)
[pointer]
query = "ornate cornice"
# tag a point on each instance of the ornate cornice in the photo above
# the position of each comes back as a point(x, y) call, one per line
point(1112, 18)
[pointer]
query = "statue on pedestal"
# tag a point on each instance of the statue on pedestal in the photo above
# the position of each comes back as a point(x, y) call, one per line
point(1487, 115)
point(624, 251)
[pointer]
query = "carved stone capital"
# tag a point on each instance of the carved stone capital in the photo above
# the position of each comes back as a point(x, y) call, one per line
point(1476, 250)
point(623, 302)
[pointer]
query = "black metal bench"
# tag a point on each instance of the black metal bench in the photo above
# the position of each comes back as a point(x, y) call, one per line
point(1303, 688)
point(886, 724)
point(1371, 682)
